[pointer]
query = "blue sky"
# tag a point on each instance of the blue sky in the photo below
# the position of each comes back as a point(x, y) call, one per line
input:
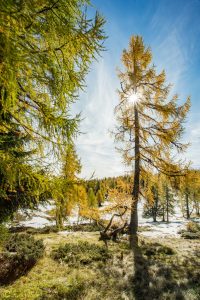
point(172, 30)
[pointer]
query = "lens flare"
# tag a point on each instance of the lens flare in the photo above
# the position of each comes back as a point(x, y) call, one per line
point(133, 98)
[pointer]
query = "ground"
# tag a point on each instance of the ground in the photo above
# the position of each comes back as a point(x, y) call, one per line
point(158, 268)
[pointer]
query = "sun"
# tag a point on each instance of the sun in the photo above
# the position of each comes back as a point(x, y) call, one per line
point(134, 97)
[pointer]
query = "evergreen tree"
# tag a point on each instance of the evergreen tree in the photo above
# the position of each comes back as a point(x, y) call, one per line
point(190, 192)
point(99, 197)
point(153, 207)
point(92, 201)
point(64, 188)
point(150, 125)
point(45, 51)
point(81, 200)
point(169, 203)
point(21, 185)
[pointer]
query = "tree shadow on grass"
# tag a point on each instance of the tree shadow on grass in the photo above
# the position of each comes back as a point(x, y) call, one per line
point(11, 270)
point(153, 277)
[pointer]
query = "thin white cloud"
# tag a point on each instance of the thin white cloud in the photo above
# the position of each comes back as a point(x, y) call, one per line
point(96, 147)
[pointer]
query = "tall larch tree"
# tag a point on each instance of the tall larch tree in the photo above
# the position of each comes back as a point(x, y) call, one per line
point(150, 124)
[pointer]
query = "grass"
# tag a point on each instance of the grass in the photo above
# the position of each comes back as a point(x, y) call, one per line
point(157, 269)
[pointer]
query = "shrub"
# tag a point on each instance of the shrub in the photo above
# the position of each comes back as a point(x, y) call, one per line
point(83, 227)
point(190, 235)
point(191, 232)
point(4, 234)
point(44, 230)
point(83, 253)
point(157, 249)
point(22, 252)
point(193, 227)
point(32, 230)
point(74, 291)
point(25, 247)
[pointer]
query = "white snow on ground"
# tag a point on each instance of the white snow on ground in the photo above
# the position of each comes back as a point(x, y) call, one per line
point(41, 218)
point(162, 229)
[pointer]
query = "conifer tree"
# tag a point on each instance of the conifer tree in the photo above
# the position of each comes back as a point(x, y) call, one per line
point(152, 193)
point(46, 48)
point(81, 200)
point(64, 187)
point(190, 192)
point(92, 201)
point(149, 123)
point(21, 185)
point(99, 197)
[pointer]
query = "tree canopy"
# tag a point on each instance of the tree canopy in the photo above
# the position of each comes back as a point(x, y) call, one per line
point(46, 48)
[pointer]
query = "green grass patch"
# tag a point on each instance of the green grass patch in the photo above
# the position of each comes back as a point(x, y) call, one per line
point(80, 253)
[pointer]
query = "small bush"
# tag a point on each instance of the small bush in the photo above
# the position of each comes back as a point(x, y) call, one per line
point(74, 291)
point(83, 227)
point(43, 230)
point(190, 235)
point(83, 253)
point(191, 232)
point(4, 234)
point(32, 230)
point(25, 247)
point(22, 252)
point(157, 249)
point(193, 227)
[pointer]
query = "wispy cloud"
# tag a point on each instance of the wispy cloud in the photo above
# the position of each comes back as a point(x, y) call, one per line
point(95, 146)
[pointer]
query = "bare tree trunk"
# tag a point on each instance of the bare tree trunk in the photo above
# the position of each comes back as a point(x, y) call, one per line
point(167, 203)
point(163, 213)
point(197, 208)
point(136, 184)
point(187, 205)
point(155, 205)
point(59, 218)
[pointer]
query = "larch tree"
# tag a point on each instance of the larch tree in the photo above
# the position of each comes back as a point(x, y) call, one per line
point(150, 124)
point(100, 198)
point(190, 192)
point(92, 200)
point(46, 48)
point(64, 189)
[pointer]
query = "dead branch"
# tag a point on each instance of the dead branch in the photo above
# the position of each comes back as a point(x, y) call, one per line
point(107, 234)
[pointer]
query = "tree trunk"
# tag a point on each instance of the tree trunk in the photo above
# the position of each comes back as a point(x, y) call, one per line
point(59, 215)
point(136, 184)
point(187, 205)
point(163, 213)
point(155, 206)
point(154, 216)
point(196, 203)
point(78, 217)
point(167, 203)
point(59, 221)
